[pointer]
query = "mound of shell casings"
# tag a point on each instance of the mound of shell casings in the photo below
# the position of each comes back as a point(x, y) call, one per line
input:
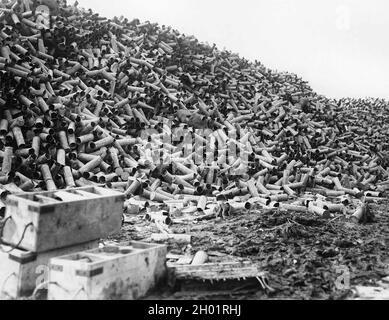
point(153, 112)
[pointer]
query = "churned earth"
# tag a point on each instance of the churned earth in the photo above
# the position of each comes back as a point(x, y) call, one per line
point(304, 256)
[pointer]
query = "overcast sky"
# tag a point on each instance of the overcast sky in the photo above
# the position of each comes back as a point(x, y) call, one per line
point(340, 46)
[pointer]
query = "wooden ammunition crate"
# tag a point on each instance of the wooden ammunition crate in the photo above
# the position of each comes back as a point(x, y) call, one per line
point(59, 219)
point(21, 271)
point(125, 272)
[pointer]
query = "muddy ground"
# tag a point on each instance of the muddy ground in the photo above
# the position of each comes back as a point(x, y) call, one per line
point(305, 256)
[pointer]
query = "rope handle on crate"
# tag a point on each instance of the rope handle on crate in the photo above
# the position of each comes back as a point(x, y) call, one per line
point(2, 229)
point(21, 239)
point(5, 282)
point(40, 287)
point(46, 283)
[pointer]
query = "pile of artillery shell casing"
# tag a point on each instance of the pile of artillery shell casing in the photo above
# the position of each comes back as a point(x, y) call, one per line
point(154, 113)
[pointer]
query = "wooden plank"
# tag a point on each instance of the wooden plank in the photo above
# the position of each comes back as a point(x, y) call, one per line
point(46, 200)
point(176, 237)
point(69, 196)
point(87, 194)
point(216, 271)
point(372, 293)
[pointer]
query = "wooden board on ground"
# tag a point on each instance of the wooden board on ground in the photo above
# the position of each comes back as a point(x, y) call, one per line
point(216, 276)
point(372, 293)
point(216, 271)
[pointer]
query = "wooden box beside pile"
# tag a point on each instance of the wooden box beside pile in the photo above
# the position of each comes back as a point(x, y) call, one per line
point(22, 271)
point(124, 272)
point(44, 221)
